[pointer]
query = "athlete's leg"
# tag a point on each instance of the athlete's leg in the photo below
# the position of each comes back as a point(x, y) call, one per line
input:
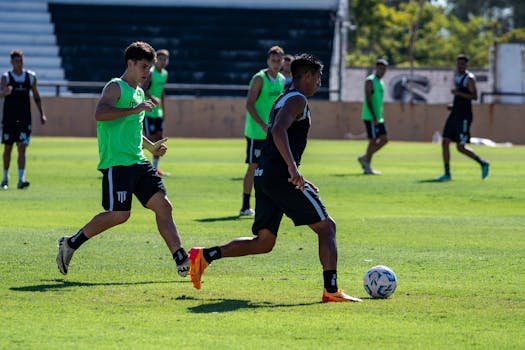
point(445, 147)
point(375, 145)
point(326, 232)
point(162, 207)
point(154, 138)
point(247, 184)
point(21, 147)
point(262, 243)
point(7, 155)
point(466, 151)
point(104, 221)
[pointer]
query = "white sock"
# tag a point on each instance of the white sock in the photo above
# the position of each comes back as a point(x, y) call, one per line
point(21, 174)
point(156, 163)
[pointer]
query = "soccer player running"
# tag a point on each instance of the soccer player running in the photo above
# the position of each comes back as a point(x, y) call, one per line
point(15, 86)
point(125, 169)
point(281, 189)
point(154, 90)
point(373, 116)
point(265, 86)
point(457, 126)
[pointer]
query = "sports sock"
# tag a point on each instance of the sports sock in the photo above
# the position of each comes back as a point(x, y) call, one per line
point(77, 240)
point(180, 256)
point(21, 174)
point(330, 281)
point(246, 201)
point(6, 175)
point(480, 161)
point(447, 169)
point(156, 163)
point(211, 254)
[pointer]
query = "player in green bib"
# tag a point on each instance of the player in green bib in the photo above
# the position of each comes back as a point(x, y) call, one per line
point(125, 169)
point(373, 116)
point(154, 90)
point(265, 86)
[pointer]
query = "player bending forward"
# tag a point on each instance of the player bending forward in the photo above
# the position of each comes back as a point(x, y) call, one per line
point(281, 189)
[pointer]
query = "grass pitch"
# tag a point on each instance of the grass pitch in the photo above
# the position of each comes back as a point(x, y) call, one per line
point(457, 249)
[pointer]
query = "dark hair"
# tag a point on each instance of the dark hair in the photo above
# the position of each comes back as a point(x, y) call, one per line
point(305, 63)
point(462, 57)
point(275, 50)
point(140, 50)
point(16, 53)
point(288, 58)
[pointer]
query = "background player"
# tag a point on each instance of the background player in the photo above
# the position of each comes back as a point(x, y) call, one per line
point(16, 123)
point(457, 126)
point(373, 116)
point(265, 86)
point(154, 90)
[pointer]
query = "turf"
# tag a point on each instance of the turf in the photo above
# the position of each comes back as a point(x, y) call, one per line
point(457, 249)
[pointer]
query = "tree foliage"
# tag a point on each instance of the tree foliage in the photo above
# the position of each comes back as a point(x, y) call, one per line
point(383, 28)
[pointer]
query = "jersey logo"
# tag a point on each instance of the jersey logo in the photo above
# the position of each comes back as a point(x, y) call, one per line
point(258, 172)
point(121, 196)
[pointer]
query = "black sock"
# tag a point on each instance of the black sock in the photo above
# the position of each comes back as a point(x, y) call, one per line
point(330, 281)
point(447, 169)
point(77, 240)
point(180, 256)
point(245, 201)
point(480, 161)
point(211, 254)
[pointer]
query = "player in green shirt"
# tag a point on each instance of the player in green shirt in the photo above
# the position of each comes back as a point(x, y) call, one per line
point(125, 169)
point(265, 86)
point(373, 116)
point(154, 90)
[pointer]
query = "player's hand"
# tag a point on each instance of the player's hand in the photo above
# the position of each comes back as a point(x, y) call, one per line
point(7, 90)
point(43, 119)
point(147, 106)
point(296, 178)
point(315, 188)
point(158, 148)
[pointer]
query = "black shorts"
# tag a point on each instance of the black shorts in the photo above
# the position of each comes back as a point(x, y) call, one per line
point(119, 183)
point(457, 129)
point(253, 150)
point(18, 132)
point(373, 131)
point(276, 196)
point(153, 125)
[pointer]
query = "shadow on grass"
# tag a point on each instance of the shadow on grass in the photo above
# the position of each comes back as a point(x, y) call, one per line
point(228, 305)
point(59, 284)
point(348, 175)
point(224, 218)
point(430, 181)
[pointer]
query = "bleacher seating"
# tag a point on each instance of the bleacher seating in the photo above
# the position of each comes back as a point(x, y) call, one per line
point(26, 25)
point(207, 45)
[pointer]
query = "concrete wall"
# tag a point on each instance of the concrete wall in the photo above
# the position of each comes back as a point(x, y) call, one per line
point(224, 118)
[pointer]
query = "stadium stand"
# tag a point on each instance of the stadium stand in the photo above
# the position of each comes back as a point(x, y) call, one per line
point(208, 45)
point(26, 25)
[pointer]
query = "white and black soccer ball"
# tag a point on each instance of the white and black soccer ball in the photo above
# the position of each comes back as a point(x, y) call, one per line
point(380, 282)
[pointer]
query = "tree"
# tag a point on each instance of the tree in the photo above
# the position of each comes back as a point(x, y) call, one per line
point(386, 31)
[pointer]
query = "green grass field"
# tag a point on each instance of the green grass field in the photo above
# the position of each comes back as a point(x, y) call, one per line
point(457, 249)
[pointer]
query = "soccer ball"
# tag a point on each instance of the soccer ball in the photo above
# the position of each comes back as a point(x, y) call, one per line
point(380, 282)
